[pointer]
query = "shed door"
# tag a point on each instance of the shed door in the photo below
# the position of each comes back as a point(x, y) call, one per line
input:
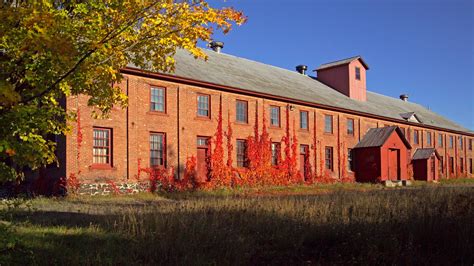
point(394, 164)
point(202, 152)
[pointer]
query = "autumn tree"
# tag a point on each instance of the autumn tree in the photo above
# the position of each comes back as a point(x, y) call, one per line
point(52, 49)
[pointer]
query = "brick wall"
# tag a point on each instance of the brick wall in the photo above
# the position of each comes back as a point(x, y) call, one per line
point(131, 128)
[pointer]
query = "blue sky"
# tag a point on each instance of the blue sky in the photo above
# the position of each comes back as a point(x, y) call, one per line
point(423, 48)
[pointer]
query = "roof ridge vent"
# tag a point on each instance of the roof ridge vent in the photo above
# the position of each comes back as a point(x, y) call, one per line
point(302, 69)
point(404, 97)
point(216, 46)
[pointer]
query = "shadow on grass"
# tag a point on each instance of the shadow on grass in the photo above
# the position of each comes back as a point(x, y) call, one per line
point(226, 234)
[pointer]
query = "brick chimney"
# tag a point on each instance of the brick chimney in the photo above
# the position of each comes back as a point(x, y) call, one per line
point(347, 76)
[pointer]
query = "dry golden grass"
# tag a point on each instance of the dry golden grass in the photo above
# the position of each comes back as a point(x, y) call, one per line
point(366, 225)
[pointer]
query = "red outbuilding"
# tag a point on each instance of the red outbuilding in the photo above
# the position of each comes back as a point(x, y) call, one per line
point(381, 155)
point(425, 164)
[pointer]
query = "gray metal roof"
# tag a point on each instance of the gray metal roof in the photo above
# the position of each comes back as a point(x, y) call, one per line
point(425, 153)
point(232, 71)
point(342, 62)
point(376, 137)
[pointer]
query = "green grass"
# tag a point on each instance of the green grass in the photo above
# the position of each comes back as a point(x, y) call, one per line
point(323, 224)
point(458, 181)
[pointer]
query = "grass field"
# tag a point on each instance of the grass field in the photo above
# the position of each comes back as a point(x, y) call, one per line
point(326, 224)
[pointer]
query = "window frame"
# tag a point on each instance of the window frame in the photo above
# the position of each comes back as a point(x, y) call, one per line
point(241, 162)
point(461, 143)
point(164, 157)
point(416, 136)
point(279, 116)
point(325, 124)
point(451, 142)
point(109, 148)
point(164, 99)
point(275, 160)
point(237, 111)
point(441, 164)
point(429, 140)
point(329, 160)
point(350, 133)
point(350, 160)
point(358, 73)
point(208, 105)
point(307, 120)
point(206, 139)
point(451, 164)
point(470, 166)
point(470, 145)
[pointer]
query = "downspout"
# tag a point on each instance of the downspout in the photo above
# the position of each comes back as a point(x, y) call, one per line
point(315, 148)
point(177, 131)
point(339, 145)
point(77, 133)
point(446, 156)
point(127, 133)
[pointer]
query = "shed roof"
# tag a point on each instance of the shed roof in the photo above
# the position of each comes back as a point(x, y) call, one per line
point(376, 137)
point(343, 62)
point(425, 153)
point(231, 71)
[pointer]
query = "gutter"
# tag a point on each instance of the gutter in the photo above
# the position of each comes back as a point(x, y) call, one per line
point(209, 85)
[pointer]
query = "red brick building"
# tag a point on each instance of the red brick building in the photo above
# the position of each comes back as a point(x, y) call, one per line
point(170, 116)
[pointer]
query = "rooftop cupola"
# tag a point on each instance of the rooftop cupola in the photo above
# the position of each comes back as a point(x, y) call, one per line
point(347, 76)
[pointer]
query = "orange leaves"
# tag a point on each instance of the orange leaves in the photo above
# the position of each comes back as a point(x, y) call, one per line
point(220, 174)
point(10, 152)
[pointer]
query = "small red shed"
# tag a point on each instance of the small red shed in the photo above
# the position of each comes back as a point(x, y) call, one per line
point(381, 155)
point(425, 164)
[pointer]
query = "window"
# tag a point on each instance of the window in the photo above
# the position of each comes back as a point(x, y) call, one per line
point(304, 120)
point(441, 164)
point(416, 136)
point(241, 153)
point(470, 144)
point(451, 164)
point(428, 138)
point(202, 142)
point(470, 166)
point(451, 142)
point(349, 160)
point(203, 105)
point(241, 111)
point(461, 164)
point(328, 124)
point(350, 126)
point(275, 116)
point(357, 73)
point(276, 148)
point(157, 99)
point(328, 158)
point(461, 143)
point(102, 153)
point(440, 140)
point(157, 149)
